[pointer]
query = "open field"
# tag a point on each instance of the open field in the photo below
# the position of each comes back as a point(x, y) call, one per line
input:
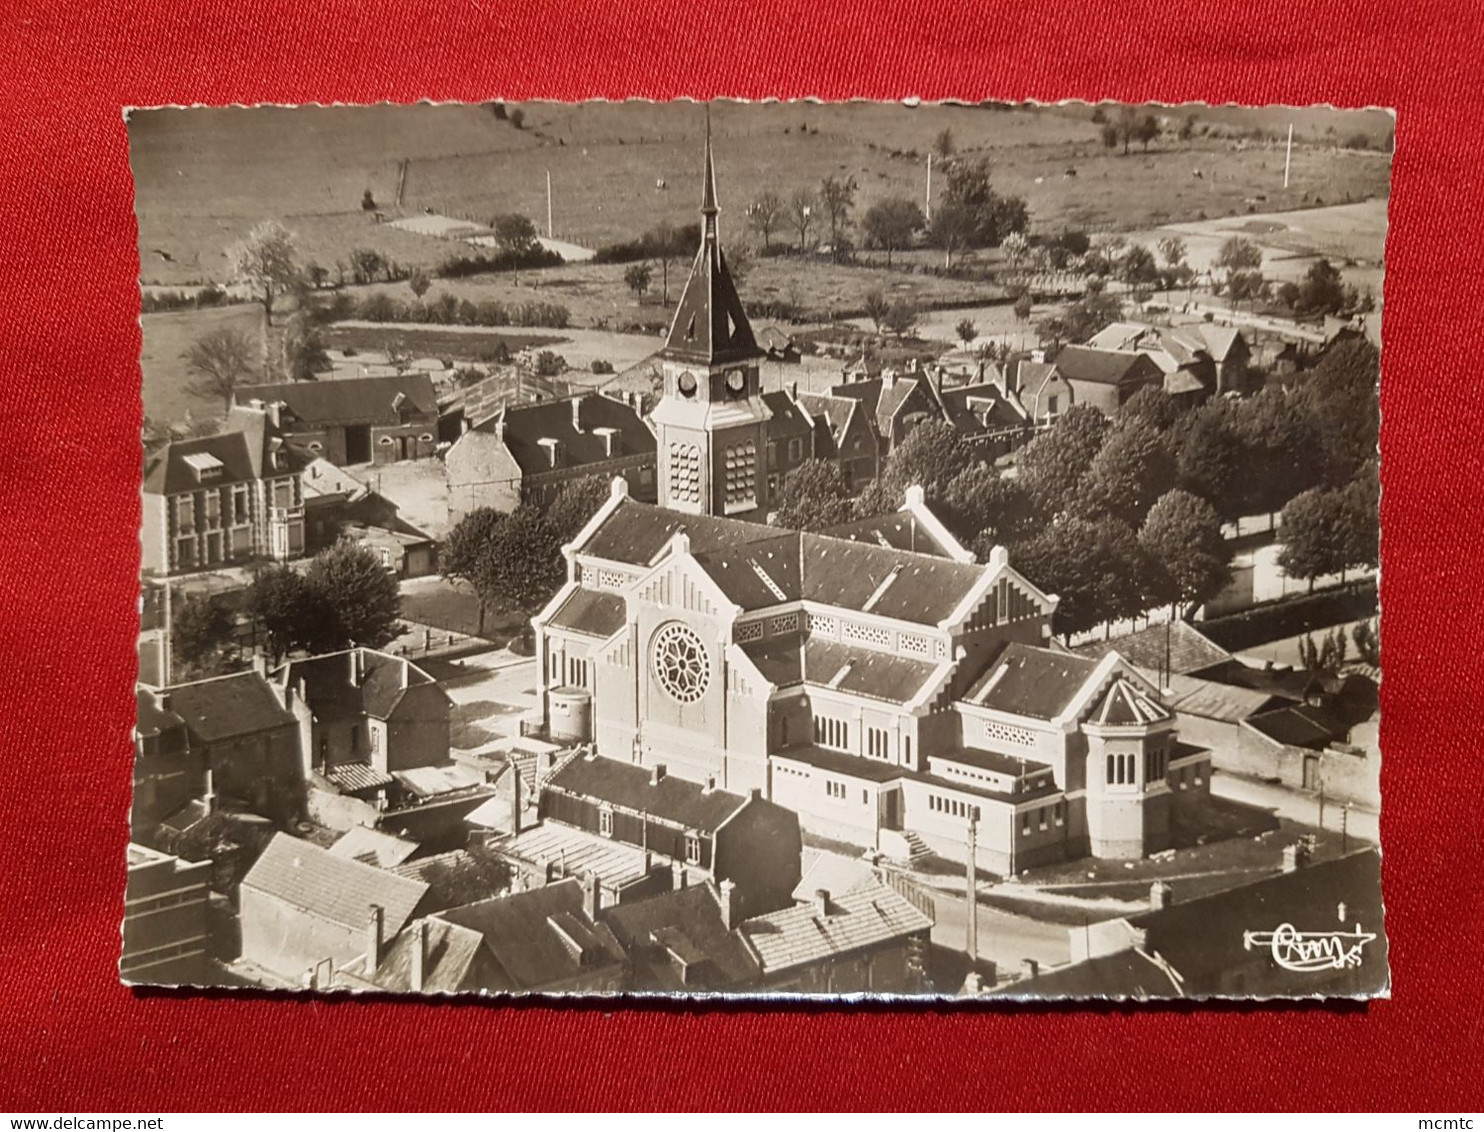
point(458, 343)
point(167, 337)
point(203, 177)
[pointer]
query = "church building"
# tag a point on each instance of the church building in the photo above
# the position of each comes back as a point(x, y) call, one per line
point(898, 700)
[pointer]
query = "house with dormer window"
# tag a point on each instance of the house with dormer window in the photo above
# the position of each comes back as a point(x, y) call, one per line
point(358, 420)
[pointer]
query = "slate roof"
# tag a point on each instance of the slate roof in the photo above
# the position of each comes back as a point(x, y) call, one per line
point(838, 762)
point(1300, 725)
point(1124, 974)
point(527, 425)
point(898, 530)
point(836, 664)
point(331, 695)
point(372, 847)
point(1104, 367)
point(832, 571)
point(678, 941)
point(884, 399)
point(1029, 681)
point(1190, 649)
point(1125, 705)
point(788, 421)
point(227, 706)
point(977, 408)
point(347, 401)
point(247, 447)
point(334, 888)
point(1191, 695)
point(629, 786)
point(832, 415)
point(593, 613)
point(863, 918)
point(539, 937)
point(578, 852)
point(453, 960)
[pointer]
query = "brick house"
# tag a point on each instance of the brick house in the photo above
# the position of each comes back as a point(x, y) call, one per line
point(1106, 379)
point(219, 500)
point(526, 454)
point(790, 438)
point(357, 420)
point(845, 432)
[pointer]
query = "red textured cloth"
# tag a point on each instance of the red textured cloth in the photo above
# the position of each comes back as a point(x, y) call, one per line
point(72, 1039)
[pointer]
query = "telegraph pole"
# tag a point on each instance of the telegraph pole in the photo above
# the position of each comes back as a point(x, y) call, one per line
point(971, 894)
point(927, 199)
point(1288, 157)
point(551, 232)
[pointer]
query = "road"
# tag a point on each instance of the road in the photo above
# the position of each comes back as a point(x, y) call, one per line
point(1296, 806)
point(1005, 938)
point(496, 676)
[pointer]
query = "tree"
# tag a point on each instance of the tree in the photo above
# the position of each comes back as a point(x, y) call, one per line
point(1322, 291)
point(280, 602)
point(901, 317)
point(516, 236)
point(202, 632)
point(356, 598)
point(366, 265)
point(951, 229)
point(419, 281)
point(1128, 126)
point(1024, 304)
point(1281, 449)
point(1172, 251)
point(989, 217)
point(1138, 265)
point(218, 362)
point(891, 223)
point(266, 262)
point(877, 305)
point(1052, 465)
point(1367, 642)
point(765, 214)
point(520, 565)
point(929, 456)
point(837, 198)
point(462, 554)
point(1096, 567)
point(304, 352)
point(577, 502)
point(1238, 254)
point(1147, 130)
point(983, 507)
point(966, 331)
point(477, 874)
point(813, 497)
point(801, 215)
point(943, 145)
point(637, 277)
point(1081, 319)
point(1211, 460)
point(664, 242)
point(1182, 536)
point(1313, 535)
point(1132, 469)
point(1340, 401)
point(1109, 135)
point(1154, 405)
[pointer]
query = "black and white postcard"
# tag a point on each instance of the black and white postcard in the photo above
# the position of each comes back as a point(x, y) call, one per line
point(760, 549)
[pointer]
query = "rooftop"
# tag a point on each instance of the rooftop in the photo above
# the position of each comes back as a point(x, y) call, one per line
point(225, 707)
point(574, 423)
point(347, 401)
point(1187, 647)
point(679, 941)
point(333, 888)
point(335, 689)
point(1033, 682)
point(633, 788)
point(862, 918)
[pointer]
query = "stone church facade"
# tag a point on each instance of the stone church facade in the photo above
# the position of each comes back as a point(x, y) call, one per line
point(896, 700)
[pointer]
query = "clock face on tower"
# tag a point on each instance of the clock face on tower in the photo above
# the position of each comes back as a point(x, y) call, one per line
point(687, 384)
point(736, 381)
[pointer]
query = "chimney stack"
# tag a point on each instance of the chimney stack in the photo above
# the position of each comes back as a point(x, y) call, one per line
point(420, 955)
point(592, 896)
point(374, 940)
point(793, 390)
point(1030, 968)
point(731, 905)
point(677, 876)
point(821, 902)
point(710, 786)
point(208, 796)
point(1161, 895)
point(576, 414)
point(657, 775)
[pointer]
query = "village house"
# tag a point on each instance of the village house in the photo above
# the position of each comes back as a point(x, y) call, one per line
point(896, 401)
point(236, 727)
point(223, 500)
point(1198, 360)
point(167, 772)
point(1105, 379)
point(845, 432)
point(685, 941)
point(1039, 388)
point(167, 905)
point(357, 420)
point(790, 438)
point(640, 830)
point(526, 454)
point(986, 416)
point(305, 912)
point(545, 940)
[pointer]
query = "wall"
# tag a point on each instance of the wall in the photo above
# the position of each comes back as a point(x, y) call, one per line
point(154, 550)
point(804, 789)
point(386, 450)
point(1345, 777)
point(481, 473)
point(165, 929)
point(288, 941)
point(894, 967)
point(263, 770)
point(759, 849)
point(418, 730)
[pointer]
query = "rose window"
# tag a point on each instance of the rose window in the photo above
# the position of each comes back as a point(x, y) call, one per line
point(680, 663)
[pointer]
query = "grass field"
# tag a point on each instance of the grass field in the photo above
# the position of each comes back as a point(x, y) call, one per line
point(434, 341)
point(203, 177)
point(167, 396)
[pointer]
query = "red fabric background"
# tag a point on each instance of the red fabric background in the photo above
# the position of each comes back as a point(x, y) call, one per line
point(71, 1039)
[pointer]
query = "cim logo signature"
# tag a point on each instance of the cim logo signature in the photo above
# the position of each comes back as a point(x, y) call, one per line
point(1294, 950)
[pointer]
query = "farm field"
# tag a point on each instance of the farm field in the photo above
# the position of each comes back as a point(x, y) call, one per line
point(457, 343)
point(204, 178)
point(167, 336)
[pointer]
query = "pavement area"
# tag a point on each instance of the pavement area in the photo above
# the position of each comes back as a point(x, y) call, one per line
point(1296, 806)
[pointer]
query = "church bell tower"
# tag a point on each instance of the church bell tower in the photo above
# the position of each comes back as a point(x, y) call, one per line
point(711, 422)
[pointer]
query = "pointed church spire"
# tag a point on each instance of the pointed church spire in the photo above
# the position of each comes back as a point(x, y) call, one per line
point(710, 325)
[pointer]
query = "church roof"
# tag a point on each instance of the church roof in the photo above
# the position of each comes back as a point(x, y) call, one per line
point(710, 326)
point(1126, 705)
point(1031, 681)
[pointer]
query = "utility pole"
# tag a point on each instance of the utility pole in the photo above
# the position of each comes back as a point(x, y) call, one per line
point(971, 894)
point(1288, 157)
point(166, 645)
point(927, 199)
point(1345, 828)
point(551, 232)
